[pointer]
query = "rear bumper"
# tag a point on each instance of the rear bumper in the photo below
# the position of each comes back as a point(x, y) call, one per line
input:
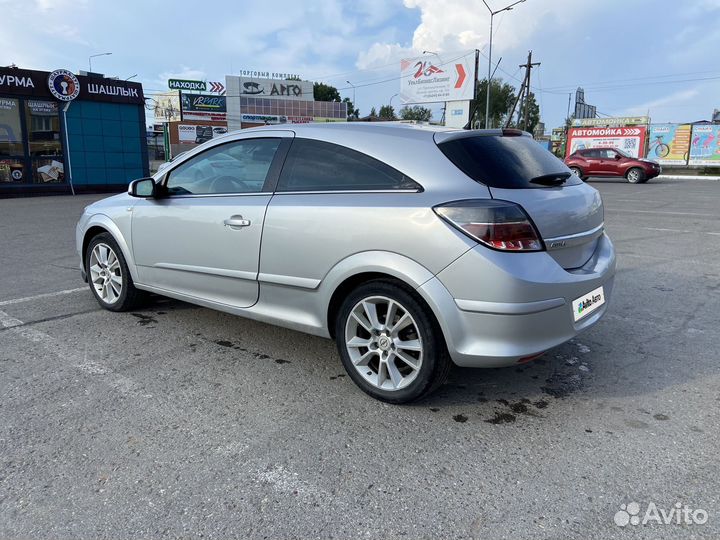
point(527, 305)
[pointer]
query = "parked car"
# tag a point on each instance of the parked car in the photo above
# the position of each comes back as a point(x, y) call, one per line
point(611, 162)
point(413, 247)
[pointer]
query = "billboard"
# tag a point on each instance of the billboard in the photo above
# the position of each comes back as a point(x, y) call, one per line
point(668, 144)
point(166, 106)
point(199, 107)
point(432, 80)
point(197, 134)
point(630, 140)
point(457, 113)
point(705, 149)
point(269, 88)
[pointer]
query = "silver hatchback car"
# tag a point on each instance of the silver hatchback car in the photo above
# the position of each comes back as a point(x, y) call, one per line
point(413, 247)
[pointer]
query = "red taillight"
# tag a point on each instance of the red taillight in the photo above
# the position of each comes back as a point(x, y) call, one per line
point(497, 224)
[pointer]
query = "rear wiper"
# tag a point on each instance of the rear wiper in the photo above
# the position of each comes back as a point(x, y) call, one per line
point(554, 179)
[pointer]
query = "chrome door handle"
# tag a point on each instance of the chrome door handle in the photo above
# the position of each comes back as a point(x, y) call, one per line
point(236, 222)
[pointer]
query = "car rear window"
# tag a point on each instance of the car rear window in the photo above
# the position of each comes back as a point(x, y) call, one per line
point(504, 161)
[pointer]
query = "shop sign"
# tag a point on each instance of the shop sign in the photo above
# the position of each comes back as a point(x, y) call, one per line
point(613, 121)
point(63, 85)
point(267, 74)
point(13, 80)
point(182, 84)
point(8, 104)
point(263, 119)
point(43, 108)
point(111, 90)
point(300, 119)
point(268, 88)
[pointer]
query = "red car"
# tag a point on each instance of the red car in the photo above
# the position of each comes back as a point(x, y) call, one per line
point(611, 162)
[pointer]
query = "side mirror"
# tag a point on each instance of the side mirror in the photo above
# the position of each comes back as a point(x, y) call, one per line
point(144, 187)
point(618, 156)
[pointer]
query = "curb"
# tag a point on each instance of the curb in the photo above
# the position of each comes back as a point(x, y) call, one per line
point(686, 177)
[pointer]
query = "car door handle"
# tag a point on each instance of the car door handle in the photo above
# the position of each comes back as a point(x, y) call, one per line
point(236, 222)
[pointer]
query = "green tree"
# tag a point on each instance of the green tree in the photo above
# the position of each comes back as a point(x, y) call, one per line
point(387, 112)
point(325, 92)
point(502, 97)
point(416, 112)
point(373, 112)
point(352, 112)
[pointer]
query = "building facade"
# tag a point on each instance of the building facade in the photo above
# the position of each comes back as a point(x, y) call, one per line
point(61, 132)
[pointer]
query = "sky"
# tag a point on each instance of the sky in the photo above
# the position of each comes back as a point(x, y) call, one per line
point(631, 56)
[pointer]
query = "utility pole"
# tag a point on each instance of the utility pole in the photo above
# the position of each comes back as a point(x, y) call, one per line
point(523, 95)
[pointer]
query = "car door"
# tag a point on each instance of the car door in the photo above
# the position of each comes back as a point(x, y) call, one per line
point(202, 237)
point(592, 157)
point(606, 162)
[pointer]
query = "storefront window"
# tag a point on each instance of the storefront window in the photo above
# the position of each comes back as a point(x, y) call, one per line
point(47, 171)
point(10, 128)
point(42, 121)
point(12, 170)
point(43, 125)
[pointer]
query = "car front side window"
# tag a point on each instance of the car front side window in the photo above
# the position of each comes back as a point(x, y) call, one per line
point(235, 167)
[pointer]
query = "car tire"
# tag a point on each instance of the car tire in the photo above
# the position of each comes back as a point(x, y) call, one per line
point(108, 275)
point(635, 175)
point(396, 360)
point(577, 172)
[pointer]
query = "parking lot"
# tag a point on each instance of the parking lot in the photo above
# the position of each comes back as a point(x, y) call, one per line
point(180, 421)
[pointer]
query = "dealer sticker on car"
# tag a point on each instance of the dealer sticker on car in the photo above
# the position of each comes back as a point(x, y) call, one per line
point(588, 303)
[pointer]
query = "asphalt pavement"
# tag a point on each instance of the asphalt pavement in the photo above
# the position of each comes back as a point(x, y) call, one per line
point(176, 421)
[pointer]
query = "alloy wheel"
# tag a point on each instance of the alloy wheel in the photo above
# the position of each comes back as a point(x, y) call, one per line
point(106, 273)
point(634, 175)
point(384, 343)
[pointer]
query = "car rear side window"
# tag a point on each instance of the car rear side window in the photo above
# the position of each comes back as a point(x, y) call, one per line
point(509, 162)
point(321, 166)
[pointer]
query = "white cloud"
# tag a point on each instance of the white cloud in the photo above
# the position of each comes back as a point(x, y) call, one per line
point(673, 99)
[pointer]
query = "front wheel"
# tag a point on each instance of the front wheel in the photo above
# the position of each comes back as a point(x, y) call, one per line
point(390, 344)
point(635, 175)
point(108, 275)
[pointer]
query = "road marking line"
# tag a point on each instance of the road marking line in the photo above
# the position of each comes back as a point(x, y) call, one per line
point(665, 230)
point(39, 296)
point(658, 212)
point(121, 383)
point(680, 231)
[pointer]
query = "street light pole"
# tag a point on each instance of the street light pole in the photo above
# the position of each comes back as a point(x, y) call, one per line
point(93, 56)
point(487, 93)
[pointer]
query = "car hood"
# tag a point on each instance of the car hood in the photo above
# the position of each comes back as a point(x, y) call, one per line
point(120, 199)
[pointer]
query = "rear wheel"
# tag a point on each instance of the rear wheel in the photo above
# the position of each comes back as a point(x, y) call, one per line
point(635, 175)
point(108, 275)
point(577, 172)
point(390, 344)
